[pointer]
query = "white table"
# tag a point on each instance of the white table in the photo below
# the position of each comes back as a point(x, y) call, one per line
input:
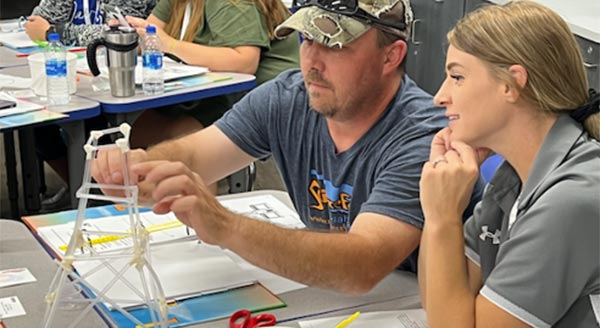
point(18, 249)
point(397, 291)
point(8, 58)
point(78, 110)
point(126, 109)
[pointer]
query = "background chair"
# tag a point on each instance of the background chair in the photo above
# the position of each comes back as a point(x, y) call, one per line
point(489, 166)
point(242, 180)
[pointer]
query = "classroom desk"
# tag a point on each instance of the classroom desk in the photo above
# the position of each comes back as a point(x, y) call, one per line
point(126, 109)
point(8, 58)
point(78, 110)
point(18, 249)
point(397, 291)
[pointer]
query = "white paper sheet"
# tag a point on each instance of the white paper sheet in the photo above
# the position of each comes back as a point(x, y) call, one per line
point(384, 319)
point(58, 236)
point(17, 276)
point(14, 82)
point(11, 307)
point(265, 208)
point(171, 69)
point(12, 26)
point(23, 106)
point(16, 40)
point(184, 269)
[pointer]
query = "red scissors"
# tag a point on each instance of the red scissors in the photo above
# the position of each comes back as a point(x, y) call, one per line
point(249, 321)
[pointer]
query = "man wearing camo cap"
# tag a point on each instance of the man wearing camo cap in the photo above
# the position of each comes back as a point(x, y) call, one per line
point(349, 133)
point(334, 29)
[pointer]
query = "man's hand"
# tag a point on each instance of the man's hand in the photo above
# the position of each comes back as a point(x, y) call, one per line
point(36, 28)
point(172, 186)
point(107, 169)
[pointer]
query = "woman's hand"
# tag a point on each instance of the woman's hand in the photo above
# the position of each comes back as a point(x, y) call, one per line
point(448, 178)
point(140, 25)
point(36, 28)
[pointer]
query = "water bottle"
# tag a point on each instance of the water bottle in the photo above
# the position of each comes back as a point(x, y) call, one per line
point(152, 60)
point(57, 86)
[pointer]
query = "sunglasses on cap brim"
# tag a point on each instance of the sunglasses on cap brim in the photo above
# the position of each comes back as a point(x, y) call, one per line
point(348, 8)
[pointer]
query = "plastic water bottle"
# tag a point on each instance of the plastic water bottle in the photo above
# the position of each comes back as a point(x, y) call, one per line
point(152, 59)
point(57, 86)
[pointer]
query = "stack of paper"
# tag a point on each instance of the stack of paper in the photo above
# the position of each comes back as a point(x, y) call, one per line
point(22, 107)
point(14, 82)
point(10, 26)
point(162, 228)
point(184, 269)
point(171, 69)
point(384, 319)
point(16, 40)
point(166, 228)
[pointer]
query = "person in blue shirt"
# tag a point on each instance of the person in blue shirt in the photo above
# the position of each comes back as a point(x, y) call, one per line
point(78, 21)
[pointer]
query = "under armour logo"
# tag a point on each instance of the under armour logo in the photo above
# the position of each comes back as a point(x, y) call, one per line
point(486, 234)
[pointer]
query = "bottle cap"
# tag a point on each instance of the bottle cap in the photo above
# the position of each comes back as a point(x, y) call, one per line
point(53, 37)
point(151, 29)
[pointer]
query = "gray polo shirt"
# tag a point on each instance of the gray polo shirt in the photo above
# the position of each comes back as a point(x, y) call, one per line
point(542, 265)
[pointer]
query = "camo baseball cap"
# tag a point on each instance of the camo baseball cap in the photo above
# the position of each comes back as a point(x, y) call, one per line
point(335, 30)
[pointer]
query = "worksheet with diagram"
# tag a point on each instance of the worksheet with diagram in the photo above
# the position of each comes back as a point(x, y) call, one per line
point(111, 233)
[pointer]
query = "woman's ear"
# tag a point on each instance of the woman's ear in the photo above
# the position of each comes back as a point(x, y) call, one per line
point(519, 75)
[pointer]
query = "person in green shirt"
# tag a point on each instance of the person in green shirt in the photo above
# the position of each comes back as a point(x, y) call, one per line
point(222, 35)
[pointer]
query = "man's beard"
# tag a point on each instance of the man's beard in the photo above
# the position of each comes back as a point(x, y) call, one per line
point(313, 76)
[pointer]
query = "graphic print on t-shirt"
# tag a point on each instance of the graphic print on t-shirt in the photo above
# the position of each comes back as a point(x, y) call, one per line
point(79, 12)
point(329, 204)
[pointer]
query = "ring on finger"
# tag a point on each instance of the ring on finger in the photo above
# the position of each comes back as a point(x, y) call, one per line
point(439, 160)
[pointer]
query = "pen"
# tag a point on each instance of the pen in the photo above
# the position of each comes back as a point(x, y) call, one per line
point(348, 321)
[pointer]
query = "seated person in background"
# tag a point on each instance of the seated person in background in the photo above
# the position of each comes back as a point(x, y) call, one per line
point(223, 35)
point(530, 255)
point(349, 133)
point(78, 21)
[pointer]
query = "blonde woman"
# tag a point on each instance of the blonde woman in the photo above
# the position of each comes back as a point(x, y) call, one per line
point(223, 35)
point(529, 256)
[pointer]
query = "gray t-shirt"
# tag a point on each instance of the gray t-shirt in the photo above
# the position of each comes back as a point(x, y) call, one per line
point(542, 262)
point(379, 174)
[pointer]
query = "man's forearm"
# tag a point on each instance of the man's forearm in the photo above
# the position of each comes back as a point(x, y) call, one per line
point(171, 150)
point(346, 262)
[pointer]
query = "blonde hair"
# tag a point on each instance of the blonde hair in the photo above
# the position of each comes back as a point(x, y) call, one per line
point(535, 37)
point(274, 11)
